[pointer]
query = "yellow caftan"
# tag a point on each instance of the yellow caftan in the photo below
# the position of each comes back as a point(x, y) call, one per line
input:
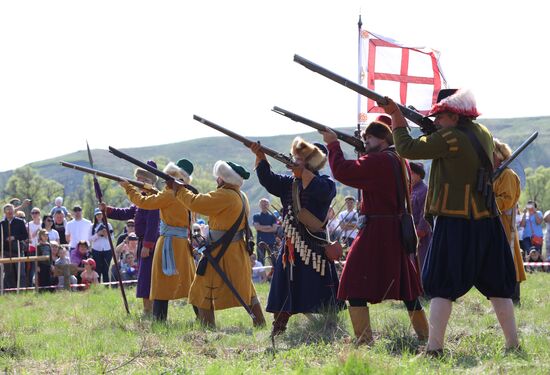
point(507, 191)
point(173, 213)
point(222, 206)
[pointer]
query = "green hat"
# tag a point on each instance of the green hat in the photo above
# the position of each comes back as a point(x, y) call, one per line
point(186, 165)
point(239, 169)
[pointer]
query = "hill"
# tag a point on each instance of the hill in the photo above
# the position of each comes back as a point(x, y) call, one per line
point(205, 151)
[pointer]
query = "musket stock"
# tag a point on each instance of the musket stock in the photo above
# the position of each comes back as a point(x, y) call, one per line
point(109, 176)
point(349, 139)
point(285, 159)
point(426, 124)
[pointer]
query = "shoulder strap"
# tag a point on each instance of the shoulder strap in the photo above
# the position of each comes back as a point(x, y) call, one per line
point(403, 197)
point(225, 240)
point(476, 144)
point(296, 204)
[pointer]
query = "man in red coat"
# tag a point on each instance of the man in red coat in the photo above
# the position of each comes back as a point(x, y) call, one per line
point(378, 267)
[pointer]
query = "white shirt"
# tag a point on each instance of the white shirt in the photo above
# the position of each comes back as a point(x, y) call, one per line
point(33, 232)
point(53, 235)
point(100, 243)
point(520, 229)
point(78, 230)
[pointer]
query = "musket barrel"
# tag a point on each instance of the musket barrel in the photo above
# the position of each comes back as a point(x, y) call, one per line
point(140, 164)
point(247, 142)
point(109, 176)
point(350, 139)
point(425, 123)
point(514, 155)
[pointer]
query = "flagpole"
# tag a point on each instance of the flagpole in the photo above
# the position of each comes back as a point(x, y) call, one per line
point(359, 71)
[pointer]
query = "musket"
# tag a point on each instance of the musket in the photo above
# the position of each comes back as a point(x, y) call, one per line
point(95, 172)
point(426, 124)
point(285, 159)
point(99, 196)
point(209, 257)
point(349, 139)
point(514, 155)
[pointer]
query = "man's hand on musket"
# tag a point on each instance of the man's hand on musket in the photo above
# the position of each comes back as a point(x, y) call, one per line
point(174, 185)
point(257, 150)
point(392, 110)
point(103, 207)
point(124, 183)
point(328, 135)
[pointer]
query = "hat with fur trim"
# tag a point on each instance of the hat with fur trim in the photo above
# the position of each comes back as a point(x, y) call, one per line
point(182, 170)
point(314, 156)
point(139, 172)
point(379, 130)
point(230, 172)
point(459, 101)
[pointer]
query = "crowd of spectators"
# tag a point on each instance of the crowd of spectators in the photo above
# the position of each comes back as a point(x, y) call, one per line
point(69, 239)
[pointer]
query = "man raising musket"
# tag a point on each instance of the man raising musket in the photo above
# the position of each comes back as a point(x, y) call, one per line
point(469, 246)
point(304, 279)
point(227, 209)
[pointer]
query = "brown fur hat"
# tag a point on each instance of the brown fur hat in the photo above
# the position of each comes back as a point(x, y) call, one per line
point(379, 130)
point(315, 158)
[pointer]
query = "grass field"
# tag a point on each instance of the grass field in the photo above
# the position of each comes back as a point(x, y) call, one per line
point(89, 332)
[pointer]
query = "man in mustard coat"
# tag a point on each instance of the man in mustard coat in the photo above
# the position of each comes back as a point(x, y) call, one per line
point(507, 190)
point(173, 267)
point(223, 206)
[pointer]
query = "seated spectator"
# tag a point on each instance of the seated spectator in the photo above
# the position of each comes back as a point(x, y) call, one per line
point(89, 276)
point(534, 256)
point(47, 223)
point(58, 205)
point(130, 227)
point(258, 273)
point(63, 259)
point(129, 267)
point(79, 255)
point(128, 245)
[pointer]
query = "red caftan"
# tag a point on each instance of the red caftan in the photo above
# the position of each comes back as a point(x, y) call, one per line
point(377, 267)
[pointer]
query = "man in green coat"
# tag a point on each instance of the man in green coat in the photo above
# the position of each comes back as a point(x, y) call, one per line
point(469, 246)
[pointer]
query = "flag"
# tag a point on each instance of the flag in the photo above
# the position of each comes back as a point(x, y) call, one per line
point(408, 75)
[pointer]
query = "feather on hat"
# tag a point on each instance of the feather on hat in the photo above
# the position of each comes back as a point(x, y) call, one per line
point(459, 101)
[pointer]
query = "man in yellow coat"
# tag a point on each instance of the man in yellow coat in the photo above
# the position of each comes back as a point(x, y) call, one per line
point(507, 190)
point(223, 206)
point(173, 268)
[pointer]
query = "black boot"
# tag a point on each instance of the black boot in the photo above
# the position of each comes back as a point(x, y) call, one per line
point(160, 310)
point(280, 322)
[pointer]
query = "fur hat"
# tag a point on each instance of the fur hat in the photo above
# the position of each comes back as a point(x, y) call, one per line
point(181, 170)
point(459, 101)
point(146, 174)
point(379, 130)
point(231, 173)
point(314, 156)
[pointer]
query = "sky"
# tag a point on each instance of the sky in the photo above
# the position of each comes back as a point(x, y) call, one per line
point(131, 73)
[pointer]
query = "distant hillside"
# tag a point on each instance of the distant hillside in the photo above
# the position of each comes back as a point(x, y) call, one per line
point(205, 151)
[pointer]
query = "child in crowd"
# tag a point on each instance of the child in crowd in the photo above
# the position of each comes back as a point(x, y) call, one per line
point(63, 259)
point(89, 276)
point(44, 267)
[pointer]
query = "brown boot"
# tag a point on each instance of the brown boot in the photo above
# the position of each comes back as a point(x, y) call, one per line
point(279, 323)
point(259, 320)
point(207, 318)
point(360, 320)
point(420, 324)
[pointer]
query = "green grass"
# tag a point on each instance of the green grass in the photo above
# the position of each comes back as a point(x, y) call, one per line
point(89, 332)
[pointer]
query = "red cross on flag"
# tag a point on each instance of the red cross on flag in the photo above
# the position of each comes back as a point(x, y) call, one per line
point(408, 75)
